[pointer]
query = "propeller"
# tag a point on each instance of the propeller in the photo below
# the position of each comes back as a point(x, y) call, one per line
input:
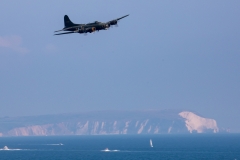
point(106, 26)
point(111, 26)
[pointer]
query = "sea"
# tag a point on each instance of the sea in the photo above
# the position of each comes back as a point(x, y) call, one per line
point(122, 147)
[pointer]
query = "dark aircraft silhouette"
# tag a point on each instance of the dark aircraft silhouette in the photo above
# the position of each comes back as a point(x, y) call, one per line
point(86, 28)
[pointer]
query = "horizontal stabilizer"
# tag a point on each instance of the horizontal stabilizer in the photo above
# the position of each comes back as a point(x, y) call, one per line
point(59, 30)
point(67, 28)
point(64, 33)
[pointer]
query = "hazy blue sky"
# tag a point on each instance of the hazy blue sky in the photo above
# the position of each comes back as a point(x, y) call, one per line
point(165, 55)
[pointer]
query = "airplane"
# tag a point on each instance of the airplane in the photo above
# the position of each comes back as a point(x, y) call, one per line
point(86, 28)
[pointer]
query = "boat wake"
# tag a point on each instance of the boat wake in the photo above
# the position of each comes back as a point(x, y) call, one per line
point(5, 148)
point(10, 149)
point(57, 144)
point(107, 150)
point(115, 150)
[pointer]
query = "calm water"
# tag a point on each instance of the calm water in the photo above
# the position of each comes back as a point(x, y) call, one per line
point(186, 147)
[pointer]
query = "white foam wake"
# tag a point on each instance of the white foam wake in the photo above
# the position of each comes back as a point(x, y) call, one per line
point(58, 144)
point(11, 149)
point(115, 150)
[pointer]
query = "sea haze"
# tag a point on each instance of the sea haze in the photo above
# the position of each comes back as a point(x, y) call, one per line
point(194, 146)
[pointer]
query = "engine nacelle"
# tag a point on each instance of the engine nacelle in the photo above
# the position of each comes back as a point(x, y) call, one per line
point(81, 31)
point(93, 29)
point(90, 30)
point(114, 22)
point(105, 26)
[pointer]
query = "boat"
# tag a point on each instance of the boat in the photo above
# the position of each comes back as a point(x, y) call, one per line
point(106, 150)
point(5, 148)
point(151, 145)
point(60, 144)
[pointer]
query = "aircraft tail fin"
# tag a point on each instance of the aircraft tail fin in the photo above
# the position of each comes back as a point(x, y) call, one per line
point(67, 21)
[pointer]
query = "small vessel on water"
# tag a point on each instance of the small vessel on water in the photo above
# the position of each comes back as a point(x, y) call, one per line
point(151, 145)
point(5, 148)
point(60, 144)
point(106, 150)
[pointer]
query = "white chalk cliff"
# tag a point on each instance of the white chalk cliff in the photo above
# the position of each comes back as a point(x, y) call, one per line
point(198, 124)
point(108, 122)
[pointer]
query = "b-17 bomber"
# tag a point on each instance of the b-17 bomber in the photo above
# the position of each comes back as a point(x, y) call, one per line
point(71, 27)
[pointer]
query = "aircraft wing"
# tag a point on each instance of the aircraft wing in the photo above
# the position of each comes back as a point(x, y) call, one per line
point(122, 17)
point(115, 21)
